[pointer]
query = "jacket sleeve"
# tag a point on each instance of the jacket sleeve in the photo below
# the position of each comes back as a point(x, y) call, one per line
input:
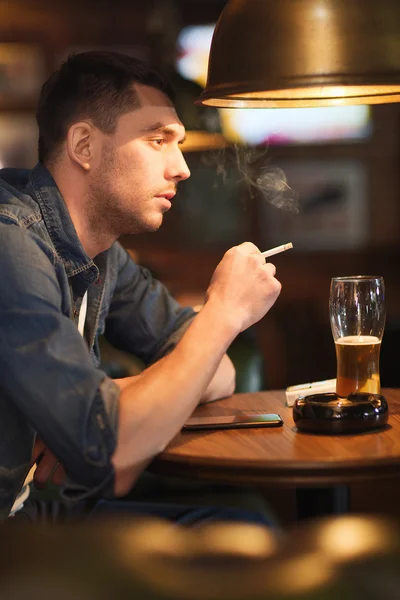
point(143, 317)
point(45, 366)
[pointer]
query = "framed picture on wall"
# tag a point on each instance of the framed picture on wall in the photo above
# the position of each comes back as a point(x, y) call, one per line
point(331, 207)
point(22, 72)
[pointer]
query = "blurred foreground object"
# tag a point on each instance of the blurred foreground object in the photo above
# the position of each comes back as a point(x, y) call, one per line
point(346, 557)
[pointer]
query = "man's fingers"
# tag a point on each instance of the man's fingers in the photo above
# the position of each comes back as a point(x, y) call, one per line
point(271, 269)
point(248, 248)
point(59, 475)
point(44, 469)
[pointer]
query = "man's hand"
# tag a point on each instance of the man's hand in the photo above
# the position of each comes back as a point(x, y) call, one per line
point(243, 286)
point(48, 467)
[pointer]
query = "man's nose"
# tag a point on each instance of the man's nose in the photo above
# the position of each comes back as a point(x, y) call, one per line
point(179, 171)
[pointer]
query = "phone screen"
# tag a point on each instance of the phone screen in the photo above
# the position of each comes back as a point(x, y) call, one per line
point(234, 421)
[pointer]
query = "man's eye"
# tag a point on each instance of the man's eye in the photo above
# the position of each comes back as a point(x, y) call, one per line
point(158, 141)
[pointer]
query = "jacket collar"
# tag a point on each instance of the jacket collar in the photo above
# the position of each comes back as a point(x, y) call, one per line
point(58, 223)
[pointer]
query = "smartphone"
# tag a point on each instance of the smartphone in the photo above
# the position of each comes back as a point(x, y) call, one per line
point(233, 421)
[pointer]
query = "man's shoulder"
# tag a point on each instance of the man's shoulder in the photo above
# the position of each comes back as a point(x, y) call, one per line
point(21, 221)
point(16, 203)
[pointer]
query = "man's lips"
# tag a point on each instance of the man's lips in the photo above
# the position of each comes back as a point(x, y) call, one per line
point(167, 195)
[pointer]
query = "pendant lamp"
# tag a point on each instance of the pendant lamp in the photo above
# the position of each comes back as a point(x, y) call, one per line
point(301, 53)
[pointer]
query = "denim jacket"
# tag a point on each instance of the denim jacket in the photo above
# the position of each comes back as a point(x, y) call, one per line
point(50, 381)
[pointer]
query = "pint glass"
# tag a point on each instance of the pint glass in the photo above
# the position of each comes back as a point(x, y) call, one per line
point(357, 314)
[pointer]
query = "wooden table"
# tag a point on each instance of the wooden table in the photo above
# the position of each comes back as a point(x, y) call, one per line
point(321, 467)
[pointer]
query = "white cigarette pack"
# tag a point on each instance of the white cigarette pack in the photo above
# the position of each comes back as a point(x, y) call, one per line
point(316, 387)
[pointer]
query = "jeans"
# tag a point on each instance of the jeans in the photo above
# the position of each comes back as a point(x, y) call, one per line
point(39, 511)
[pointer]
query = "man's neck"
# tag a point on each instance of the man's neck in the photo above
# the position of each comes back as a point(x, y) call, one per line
point(93, 240)
point(75, 196)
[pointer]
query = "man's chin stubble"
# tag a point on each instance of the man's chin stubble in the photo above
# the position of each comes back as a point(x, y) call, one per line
point(137, 228)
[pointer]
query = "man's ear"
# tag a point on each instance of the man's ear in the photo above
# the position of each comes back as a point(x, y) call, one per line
point(81, 144)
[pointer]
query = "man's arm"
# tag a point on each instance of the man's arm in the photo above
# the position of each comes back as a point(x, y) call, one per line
point(221, 385)
point(154, 406)
point(223, 382)
point(146, 320)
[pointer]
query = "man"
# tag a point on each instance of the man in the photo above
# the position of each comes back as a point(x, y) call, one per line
point(109, 164)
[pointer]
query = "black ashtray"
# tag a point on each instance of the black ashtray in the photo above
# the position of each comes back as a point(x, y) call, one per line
point(329, 413)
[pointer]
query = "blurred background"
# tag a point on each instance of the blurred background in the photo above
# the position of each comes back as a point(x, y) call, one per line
point(325, 179)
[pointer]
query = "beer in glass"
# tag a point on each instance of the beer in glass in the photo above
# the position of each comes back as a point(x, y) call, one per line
point(357, 314)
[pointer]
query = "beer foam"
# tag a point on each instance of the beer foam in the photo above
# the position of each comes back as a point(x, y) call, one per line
point(358, 340)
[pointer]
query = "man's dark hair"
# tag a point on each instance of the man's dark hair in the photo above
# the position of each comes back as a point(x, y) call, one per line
point(91, 85)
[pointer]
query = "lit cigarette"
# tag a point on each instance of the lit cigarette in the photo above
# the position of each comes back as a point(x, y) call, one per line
point(277, 250)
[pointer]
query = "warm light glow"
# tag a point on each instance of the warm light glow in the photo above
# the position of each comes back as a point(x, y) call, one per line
point(288, 125)
point(196, 141)
point(321, 12)
point(193, 52)
point(306, 97)
point(22, 70)
point(303, 574)
point(354, 537)
point(247, 539)
point(155, 537)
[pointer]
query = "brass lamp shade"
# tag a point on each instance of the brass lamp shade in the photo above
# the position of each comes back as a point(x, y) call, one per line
point(300, 53)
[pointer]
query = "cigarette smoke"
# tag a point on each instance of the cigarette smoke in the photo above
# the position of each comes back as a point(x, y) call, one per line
point(251, 168)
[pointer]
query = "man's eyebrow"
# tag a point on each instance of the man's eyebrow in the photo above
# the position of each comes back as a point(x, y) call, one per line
point(160, 128)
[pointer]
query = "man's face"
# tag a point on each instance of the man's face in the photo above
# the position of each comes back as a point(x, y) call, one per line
point(140, 167)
